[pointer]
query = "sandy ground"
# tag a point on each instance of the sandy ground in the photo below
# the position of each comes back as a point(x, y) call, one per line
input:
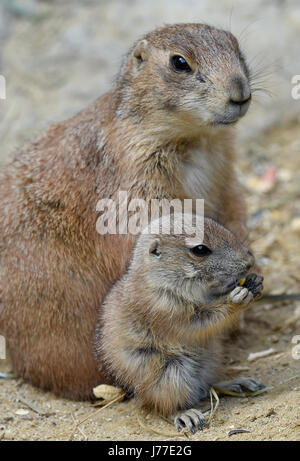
point(46, 63)
point(274, 415)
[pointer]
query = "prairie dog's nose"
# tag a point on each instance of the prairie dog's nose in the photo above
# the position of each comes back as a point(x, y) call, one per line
point(239, 92)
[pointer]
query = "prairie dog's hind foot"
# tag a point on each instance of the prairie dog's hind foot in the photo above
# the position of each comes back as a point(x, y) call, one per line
point(240, 385)
point(192, 419)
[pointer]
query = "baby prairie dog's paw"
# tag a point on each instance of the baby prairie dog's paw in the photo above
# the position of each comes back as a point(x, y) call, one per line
point(240, 297)
point(192, 419)
point(248, 290)
point(254, 283)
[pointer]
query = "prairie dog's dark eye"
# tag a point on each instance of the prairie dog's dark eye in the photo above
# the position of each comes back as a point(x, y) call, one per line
point(201, 250)
point(180, 64)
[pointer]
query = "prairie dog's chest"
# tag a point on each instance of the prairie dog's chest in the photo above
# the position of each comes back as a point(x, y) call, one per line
point(203, 174)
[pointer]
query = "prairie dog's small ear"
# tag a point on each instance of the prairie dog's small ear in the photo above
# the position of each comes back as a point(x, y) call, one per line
point(154, 248)
point(141, 51)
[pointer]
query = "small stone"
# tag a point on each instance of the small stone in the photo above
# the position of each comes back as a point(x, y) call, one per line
point(22, 412)
point(106, 392)
point(238, 431)
point(271, 412)
point(295, 225)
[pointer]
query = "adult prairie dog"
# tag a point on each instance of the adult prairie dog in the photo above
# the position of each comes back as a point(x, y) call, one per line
point(163, 131)
point(158, 331)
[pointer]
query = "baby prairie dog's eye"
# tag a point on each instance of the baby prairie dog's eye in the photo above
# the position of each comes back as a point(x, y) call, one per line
point(180, 64)
point(201, 250)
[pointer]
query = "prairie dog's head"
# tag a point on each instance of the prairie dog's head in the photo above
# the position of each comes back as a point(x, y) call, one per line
point(188, 75)
point(201, 271)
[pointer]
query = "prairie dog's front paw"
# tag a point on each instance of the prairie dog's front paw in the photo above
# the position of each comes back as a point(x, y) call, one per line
point(254, 283)
point(240, 297)
point(243, 295)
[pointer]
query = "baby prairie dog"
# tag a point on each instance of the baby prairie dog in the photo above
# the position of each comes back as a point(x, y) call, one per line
point(159, 328)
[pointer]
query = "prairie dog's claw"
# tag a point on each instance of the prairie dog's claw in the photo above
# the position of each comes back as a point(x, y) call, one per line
point(192, 419)
point(240, 384)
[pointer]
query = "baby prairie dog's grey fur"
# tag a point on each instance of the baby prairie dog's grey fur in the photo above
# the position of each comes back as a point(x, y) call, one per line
point(159, 330)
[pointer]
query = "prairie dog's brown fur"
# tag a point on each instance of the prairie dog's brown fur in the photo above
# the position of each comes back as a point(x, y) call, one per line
point(159, 328)
point(158, 133)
